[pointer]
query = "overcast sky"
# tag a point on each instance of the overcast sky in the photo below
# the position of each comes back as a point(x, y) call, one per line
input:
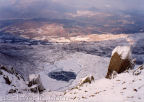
point(35, 7)
point(79, 3)
point(117, 4)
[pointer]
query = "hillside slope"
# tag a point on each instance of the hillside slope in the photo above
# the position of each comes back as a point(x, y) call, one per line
point(126, 87)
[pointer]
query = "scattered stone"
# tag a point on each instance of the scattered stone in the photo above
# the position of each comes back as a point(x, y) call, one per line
point(138, 70)
point(133, 81)
point(74, 98)
point(12, 91)
point(97, 93)
point(124, 88)
point(130, 96)
point(124, 82)
point(135, 90)
point(1, 73)
point(83, 97)
point(65, 93)
point(118, 80)
point(91, 95)
point(139, 98)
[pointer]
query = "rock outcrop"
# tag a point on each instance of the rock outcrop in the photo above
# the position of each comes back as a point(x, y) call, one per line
point(89, 79)
point(35, 83)
point(13, 79)
point(17, 82)
point(84, 81)
point(121, 61)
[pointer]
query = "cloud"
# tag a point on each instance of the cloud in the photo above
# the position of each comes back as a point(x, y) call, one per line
point(43, 8)
point(31, 8)
point(116, 4)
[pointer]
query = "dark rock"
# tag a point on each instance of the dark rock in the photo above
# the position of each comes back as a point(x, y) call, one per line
point(7, 81)
point(5, 69)
point(12, 91)
point(135, 90)
point(1, 72)
point(11, 71)
point(138, 70)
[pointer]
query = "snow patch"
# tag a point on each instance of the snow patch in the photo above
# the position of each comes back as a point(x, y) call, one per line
point(123, 51)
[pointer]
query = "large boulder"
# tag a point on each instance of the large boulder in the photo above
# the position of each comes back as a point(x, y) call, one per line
point(35, 83)
point(121, 60)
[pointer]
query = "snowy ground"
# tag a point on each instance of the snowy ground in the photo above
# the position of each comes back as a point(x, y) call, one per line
point(79, 63)
point(83, 59)
point(125, 87)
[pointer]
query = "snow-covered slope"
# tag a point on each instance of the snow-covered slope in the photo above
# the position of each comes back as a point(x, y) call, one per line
point(79, 63)
point(126, 87)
